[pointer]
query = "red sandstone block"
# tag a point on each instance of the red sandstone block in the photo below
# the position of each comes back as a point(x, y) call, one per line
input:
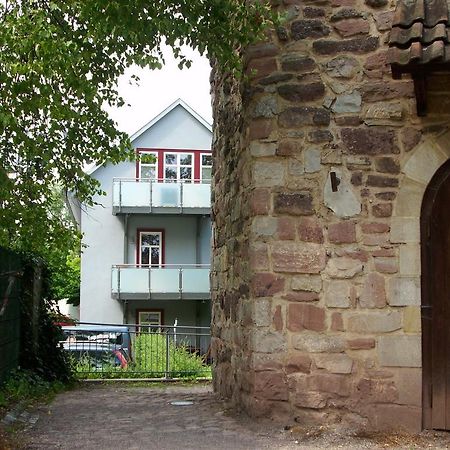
point(375, 227)
point(342, 233)
point(301, 296)
point(286, 228)
point(261, 67)
point(337, 323)
point(352, 27)
point(382, 210)
point(267, 284)
point(386, 265)
point(309, 230)
point(260, 128)
point(307, 317)
point(277, 321)
point(298, 362)
point(259, 257)
point(271, 385)
point(298, 257)
point(361, 343)
point(260, 201)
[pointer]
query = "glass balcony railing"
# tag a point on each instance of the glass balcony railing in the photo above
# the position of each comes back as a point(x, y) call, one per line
point(170, 281)
point(143, 196)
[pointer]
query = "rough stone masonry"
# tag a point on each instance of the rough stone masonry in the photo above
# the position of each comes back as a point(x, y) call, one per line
point(320, 167)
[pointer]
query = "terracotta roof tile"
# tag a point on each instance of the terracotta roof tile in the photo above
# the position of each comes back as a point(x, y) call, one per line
point(420, 33)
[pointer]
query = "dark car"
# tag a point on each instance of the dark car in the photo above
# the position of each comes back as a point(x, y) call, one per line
point(99, 345)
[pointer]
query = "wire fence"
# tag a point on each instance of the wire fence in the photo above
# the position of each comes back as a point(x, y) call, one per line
point(10, 290)
point(138, 351)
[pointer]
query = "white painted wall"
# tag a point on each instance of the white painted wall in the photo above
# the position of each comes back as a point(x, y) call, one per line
point(104, 237)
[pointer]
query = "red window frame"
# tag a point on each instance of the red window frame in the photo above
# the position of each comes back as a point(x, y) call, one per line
point(138, 243)
point(160, 163)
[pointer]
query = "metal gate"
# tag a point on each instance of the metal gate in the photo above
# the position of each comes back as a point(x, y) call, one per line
point(138, 351)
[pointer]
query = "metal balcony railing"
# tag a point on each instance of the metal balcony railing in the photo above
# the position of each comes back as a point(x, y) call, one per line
point(145, 195)
point(168, 281)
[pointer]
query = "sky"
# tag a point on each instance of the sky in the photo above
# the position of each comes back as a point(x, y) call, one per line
point(159, 88)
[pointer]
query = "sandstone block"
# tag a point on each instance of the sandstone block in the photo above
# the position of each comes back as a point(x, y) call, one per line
point(343, 267)
point(267, 174)
point(383, 114)
point(397, 417)
point(337, 294)
point(294, 203)
point(301, 296)
point(410, 137)
point(347, 103)
point(262, 311)
point(369, 141)
point(311, 12)
point(404, 230)
point(374, 227)
point(382, 210)
point(303, 115)
point(381, 181)
point(387, 165)
point(259, 149)
point(301, 92)
point(375, 322)
point(266, 106)
point(271, 385)
point(318, 343)
point(260, 128)
point(331, 383)
point(386, 264)
point(319, 136)
point(356, 45)
point(286, 229)
point(303, 29)
point(261, 67)
point(361, 343)
point(289, 148)
point(305, 317)
point(259, 256)
point(297, 63)
point(404, 291)
point(334, 362)
point(342, 67)
point(400, 351)
point(387, 90)
point(337, 323)
point(310, 399)
point(352, 27)
point(312, 283)
point(373, 293)
point(265, 341)
point(277, 319)
point(267, 284)
point(412, 319)
point(342, 232)
point(260, 201)
point(312, 160)
point(409, 260)
point(309, 230)
point(345, 13)
point(298, 362)
point(264, 226)
point(377, 391)
point(298, 258)
point(409, 386)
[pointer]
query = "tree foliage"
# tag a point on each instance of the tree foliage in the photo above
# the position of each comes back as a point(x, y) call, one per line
point(59, 63)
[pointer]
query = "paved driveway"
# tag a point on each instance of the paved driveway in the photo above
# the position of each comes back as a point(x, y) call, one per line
point(127, 417)
point(118, 416)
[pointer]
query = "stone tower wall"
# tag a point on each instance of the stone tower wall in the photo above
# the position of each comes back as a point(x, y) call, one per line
point(320, 167)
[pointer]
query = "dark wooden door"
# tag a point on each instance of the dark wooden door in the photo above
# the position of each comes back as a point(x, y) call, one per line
point(436, 303)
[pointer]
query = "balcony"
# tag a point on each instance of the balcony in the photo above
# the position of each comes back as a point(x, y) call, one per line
point(172, 282)
point(144, 196)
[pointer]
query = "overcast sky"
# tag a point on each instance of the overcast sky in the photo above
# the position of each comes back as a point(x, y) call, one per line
point(159, 88)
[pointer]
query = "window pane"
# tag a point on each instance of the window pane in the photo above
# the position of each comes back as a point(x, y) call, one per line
point(171, 158)
point(185, 173)
point(207, 160)
point(145, 255)
point(206, 173)
point(148, 172)
point(171, 173)
point(185, 160)
point(155, 255)
point(149, 239)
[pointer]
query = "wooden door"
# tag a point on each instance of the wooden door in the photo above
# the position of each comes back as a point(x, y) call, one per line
point(436, 301)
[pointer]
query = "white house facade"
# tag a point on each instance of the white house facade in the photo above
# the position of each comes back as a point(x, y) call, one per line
point(147, 243)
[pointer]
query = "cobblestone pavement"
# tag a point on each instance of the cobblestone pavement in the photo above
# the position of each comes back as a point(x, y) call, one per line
point(117, 416)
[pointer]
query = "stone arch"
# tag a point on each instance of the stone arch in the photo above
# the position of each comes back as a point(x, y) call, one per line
point(418, 168)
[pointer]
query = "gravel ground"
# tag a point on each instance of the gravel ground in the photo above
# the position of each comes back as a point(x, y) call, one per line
point(105, 416)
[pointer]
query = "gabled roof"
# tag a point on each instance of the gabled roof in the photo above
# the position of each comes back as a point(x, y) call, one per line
point(156, 119)
point(176, 103)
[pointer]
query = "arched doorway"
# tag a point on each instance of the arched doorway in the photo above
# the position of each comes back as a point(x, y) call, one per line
point(435, 239)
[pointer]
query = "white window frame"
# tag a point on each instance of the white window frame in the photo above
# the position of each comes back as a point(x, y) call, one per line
point(159, 313)
point(160, 246)
point(204, 165)
point(178, 166)
point(155, 164)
